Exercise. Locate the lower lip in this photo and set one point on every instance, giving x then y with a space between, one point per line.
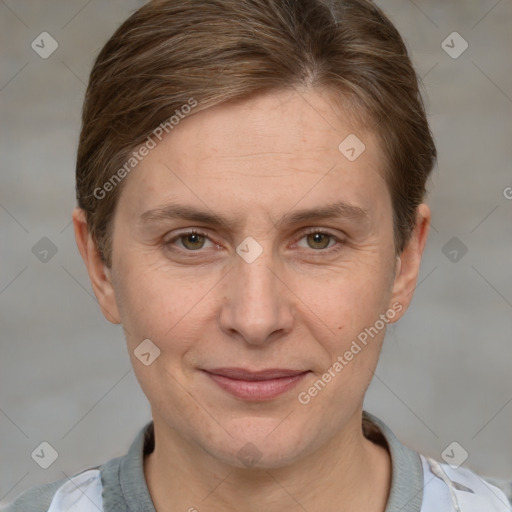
257 389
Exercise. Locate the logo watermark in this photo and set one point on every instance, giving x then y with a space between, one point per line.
305 397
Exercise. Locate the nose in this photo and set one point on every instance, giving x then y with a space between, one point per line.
258 302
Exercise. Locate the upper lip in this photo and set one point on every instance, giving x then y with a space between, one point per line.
244 374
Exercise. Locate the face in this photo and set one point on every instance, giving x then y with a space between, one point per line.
256 286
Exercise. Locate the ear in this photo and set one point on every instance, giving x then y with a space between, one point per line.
408 263
99 274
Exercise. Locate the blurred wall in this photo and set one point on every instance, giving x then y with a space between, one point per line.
65 376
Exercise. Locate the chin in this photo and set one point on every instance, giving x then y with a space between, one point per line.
259 450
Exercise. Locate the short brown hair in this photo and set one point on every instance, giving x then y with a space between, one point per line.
220 50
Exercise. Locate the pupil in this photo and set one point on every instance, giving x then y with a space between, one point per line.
194 238
317 237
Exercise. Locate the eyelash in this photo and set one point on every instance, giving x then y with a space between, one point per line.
320 252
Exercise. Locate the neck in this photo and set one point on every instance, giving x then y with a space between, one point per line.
348 473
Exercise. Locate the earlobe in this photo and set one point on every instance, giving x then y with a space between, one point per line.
99 274
409 261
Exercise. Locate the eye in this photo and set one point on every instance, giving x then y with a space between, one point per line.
191 240
320 240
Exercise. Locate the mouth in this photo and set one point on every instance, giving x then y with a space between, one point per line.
256 385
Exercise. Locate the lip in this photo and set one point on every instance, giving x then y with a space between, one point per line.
256 385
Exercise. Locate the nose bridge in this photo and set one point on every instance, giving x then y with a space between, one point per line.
255 277
256 305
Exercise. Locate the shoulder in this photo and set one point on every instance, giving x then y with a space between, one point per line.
422 484
98 489
456 488
36 499
81 493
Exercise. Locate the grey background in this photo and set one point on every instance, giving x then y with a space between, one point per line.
65 375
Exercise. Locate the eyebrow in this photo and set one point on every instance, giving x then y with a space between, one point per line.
186 212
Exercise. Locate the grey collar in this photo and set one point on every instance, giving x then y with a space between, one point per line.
406 493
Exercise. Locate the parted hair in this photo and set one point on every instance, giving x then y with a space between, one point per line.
214 51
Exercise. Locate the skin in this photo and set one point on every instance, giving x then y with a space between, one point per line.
297 305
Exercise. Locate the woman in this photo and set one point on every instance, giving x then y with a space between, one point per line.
250 182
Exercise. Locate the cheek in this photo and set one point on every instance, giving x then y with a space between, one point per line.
349 300
352 314
162 307
345 319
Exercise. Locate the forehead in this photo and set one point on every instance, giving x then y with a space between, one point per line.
269 152
276 126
